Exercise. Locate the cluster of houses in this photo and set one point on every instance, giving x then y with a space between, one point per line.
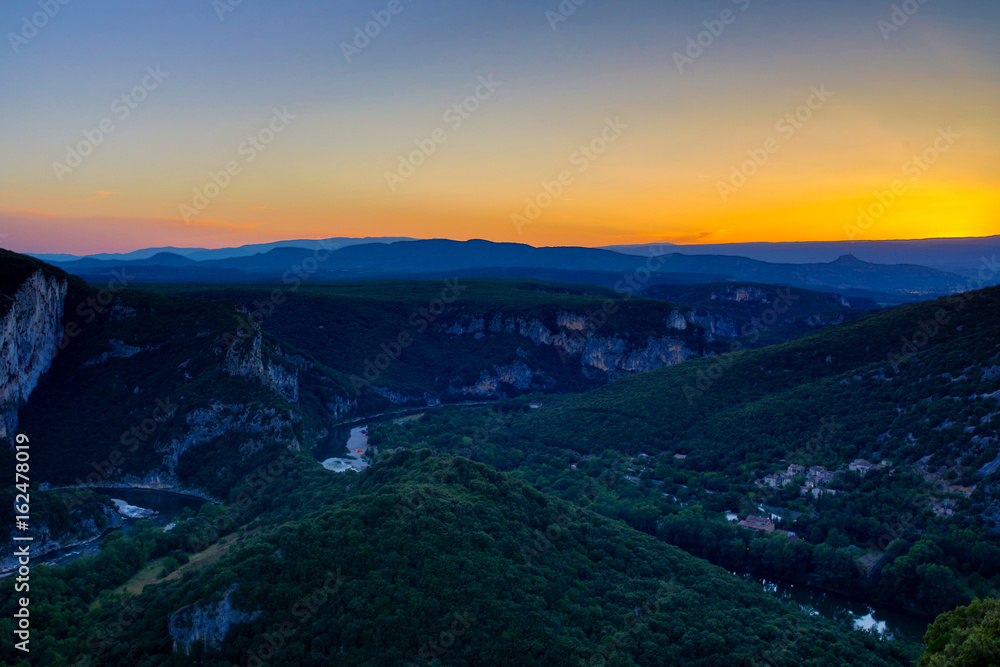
816 477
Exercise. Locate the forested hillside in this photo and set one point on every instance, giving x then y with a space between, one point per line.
555 527
672 451
425 558
908 382
412 342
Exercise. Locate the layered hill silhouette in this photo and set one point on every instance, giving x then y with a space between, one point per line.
431 258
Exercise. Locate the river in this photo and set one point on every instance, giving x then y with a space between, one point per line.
343 448
335 444
887 623
168 505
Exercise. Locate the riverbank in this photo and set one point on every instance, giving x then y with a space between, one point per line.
53 552
165 488
357 447
403 411
859 614
164 504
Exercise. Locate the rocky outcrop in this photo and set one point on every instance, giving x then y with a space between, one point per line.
714 324
576 337
572 321
207 624
517 376
391 395
258 426
246 359
29 337
676 320
340 407
616 359
119 350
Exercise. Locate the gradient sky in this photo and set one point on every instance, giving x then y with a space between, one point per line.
325 174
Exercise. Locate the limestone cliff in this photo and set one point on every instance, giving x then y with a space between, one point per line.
29 337
206 624
203 425
516 375
577 339
246 359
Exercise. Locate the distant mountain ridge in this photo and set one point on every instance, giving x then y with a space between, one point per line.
202 254
407 259
964 256
956 255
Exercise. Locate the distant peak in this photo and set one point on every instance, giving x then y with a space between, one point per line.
848 259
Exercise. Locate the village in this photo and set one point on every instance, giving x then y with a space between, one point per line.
812 481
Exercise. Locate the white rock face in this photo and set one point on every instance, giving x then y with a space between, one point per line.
29 339
207 625
610 355
205 424
516 375
572 321
119 350
716 326
247 360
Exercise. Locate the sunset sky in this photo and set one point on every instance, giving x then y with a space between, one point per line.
212 74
